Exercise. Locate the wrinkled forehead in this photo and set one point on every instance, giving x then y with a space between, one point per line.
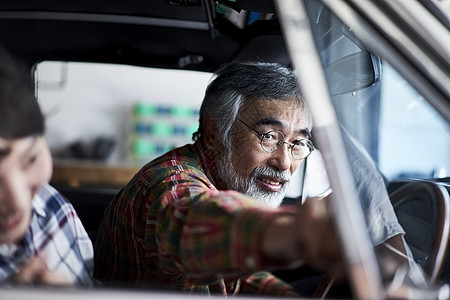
292 114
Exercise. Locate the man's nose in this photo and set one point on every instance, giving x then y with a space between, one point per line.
281 158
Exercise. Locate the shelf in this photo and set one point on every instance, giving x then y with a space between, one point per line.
76 174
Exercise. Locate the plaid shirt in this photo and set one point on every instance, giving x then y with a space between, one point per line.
55 234
173 227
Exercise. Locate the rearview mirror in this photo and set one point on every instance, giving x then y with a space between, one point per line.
352 73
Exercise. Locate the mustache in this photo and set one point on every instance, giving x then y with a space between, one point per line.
267 171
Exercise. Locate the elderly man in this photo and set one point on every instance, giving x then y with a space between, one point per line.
206 217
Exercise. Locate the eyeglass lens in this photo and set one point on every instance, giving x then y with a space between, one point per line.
273 140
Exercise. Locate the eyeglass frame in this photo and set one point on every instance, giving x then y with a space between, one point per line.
290 145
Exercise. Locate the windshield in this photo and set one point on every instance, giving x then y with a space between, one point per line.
414 140
403 134
392 137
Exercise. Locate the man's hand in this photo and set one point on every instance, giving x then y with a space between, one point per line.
309 236
35 271
316 238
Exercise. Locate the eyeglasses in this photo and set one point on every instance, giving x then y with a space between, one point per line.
271 141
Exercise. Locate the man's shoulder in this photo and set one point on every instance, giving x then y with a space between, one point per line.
179 159
183 164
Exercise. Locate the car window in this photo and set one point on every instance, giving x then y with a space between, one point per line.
404 135
117 114
414 138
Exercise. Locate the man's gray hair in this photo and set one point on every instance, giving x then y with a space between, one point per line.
235 82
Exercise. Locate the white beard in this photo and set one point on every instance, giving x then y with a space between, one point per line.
249 187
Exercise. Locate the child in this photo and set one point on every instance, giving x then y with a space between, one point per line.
42 240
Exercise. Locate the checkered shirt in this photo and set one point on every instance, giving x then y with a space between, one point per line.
173 227
54 234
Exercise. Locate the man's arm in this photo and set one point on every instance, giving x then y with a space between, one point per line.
308 236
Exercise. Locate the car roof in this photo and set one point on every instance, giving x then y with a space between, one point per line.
189 34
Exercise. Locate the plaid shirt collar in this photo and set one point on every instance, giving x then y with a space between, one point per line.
210 163
38 205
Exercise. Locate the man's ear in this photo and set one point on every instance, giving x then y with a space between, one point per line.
211 132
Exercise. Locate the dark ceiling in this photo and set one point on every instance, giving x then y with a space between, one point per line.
191 34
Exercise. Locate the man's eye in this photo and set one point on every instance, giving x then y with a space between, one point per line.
269 136
298 143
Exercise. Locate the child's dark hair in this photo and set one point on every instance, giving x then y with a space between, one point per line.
20 115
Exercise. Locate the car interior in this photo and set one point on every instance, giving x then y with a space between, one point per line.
197 36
